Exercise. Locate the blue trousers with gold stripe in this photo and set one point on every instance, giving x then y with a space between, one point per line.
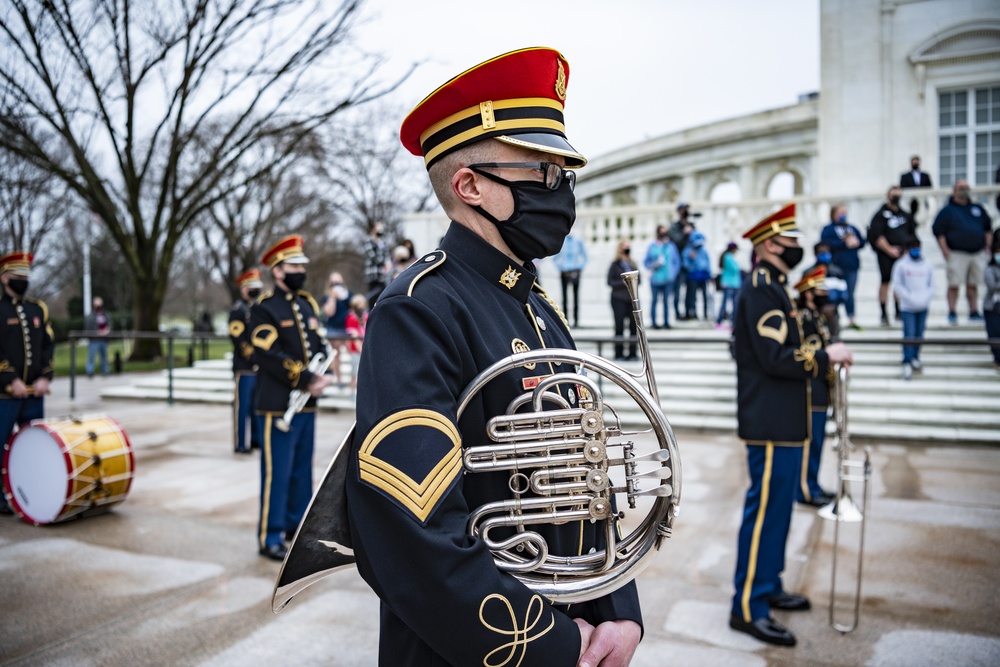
767 514
809 482
285 475
243 413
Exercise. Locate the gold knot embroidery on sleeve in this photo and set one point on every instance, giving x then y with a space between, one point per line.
512 652
294 368
807 355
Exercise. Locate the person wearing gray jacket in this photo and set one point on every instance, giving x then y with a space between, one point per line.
913 285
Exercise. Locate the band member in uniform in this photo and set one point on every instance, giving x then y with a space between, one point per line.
774 366
494 144
244 369
25 349
285 333
816 332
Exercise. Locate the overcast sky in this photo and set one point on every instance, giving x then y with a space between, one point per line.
638 68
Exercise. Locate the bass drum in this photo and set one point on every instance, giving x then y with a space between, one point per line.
63 469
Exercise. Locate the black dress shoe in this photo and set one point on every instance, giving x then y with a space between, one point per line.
242 450
274 551
818 500
789 602
765 629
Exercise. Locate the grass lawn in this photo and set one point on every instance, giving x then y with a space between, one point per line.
215 349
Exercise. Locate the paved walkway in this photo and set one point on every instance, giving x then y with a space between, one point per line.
172 577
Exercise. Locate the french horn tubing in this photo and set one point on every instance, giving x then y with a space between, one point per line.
565 463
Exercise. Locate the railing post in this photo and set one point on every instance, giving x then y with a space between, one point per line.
72 368
170 369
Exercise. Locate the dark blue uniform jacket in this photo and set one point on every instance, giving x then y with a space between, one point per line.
25 342
239 334
774 363
447 317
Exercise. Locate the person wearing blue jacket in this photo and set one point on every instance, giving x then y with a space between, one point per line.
663 260
730 281
698 265
845 240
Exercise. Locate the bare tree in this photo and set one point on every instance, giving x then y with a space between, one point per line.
145 109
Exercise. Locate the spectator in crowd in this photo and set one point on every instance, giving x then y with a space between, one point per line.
621 301
991 301
335 304
811 302
915 179
378 265
357 320
401 260
913 285
730 281
680 232
890 230
664 262
834 285
698 266
962 229
571 261
844 240
99 322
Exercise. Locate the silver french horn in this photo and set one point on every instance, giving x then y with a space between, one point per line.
566 463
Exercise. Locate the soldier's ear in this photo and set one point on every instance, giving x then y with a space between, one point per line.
465 183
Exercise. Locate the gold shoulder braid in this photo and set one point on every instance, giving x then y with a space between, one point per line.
545 295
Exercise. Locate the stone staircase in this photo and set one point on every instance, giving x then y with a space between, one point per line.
956 398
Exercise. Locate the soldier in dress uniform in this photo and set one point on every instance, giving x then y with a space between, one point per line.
25 349
774 367
285 334
494 144
810 302
244 369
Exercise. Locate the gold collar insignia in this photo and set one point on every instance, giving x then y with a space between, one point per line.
509 277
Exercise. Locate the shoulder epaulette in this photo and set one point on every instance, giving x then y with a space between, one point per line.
761 271
40 304
266 294
425 265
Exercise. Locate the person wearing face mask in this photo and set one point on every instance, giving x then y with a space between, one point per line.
844 241
914 178
664 263
963 233
913 285
774 367
813 297
494 144
991 300
97 347
890 230
835 287
621 301
378 263
26 345
244 370
286 334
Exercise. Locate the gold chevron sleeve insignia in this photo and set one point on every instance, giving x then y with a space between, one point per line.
412 456
264 336
766 329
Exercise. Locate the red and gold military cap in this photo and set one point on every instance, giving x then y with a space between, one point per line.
779 223
288 249
250 279
517 98
18 262
814 278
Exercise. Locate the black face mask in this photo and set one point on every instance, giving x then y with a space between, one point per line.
542 218
18 285
820 301
894 201
791 256
295 281
253 294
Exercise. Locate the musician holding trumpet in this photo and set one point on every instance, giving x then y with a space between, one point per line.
495 148
285 334
25 350
775 363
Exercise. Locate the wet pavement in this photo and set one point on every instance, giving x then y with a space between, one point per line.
171 576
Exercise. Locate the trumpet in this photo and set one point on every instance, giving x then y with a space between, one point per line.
843 508
297 399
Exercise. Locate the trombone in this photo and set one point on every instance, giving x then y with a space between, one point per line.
843 508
